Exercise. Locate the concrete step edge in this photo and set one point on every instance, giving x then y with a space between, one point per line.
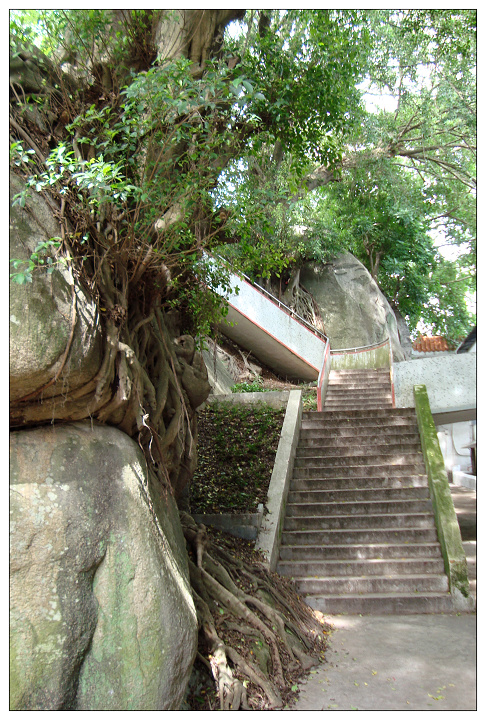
376 547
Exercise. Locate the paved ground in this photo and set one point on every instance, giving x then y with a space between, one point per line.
406 662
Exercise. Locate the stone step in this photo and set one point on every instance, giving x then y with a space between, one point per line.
431 583
350 449
361 372
369 393
360 522
353 435
363 378
361 424
356 405
361 482
369 507
360 536
388 413
319 457
419 603
366 387
339 568
357 495
358 470
470 552
348 437
360 551
341 393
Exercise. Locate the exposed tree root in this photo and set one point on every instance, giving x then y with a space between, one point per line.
235 600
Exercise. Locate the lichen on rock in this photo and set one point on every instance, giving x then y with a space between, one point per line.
102 615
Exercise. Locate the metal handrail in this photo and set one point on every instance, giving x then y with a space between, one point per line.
363 347
276 301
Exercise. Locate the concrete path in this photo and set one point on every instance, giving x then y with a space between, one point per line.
407 662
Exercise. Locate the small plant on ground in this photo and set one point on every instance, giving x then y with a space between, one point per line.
255 385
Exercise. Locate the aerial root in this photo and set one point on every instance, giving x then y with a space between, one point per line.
225 610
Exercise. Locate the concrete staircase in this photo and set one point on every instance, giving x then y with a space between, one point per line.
359 533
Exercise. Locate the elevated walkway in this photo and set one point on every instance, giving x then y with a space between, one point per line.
450 381
273 332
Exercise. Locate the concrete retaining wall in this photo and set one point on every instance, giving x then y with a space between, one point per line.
377 357
274 398
450 382
268 540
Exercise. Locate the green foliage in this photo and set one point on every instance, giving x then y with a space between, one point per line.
102 181
255 385
146 159
308 103
19 156
385 212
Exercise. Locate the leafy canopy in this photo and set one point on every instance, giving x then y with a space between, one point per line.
273 130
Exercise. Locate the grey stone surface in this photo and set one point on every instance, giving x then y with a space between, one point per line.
102 616
223 372
42 313
354 311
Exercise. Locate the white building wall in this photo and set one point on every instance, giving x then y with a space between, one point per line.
454 439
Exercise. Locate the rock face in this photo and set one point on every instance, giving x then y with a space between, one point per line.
55 335
102 616
354 311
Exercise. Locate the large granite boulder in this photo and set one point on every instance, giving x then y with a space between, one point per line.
354 311
55 333
102 616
